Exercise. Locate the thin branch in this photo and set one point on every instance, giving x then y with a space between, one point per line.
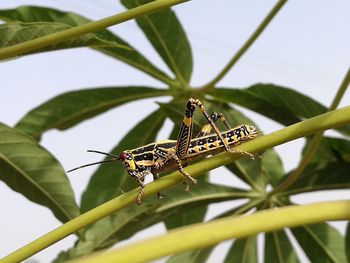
246 45
25 47
311 149
325 121
211 233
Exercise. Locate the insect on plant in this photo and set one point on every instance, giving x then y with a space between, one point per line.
165 155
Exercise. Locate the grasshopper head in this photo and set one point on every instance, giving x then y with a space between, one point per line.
253 131
128 161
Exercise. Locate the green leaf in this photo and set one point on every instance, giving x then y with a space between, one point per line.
132 219
28 14
68 109
31 170
272 167
243 250
281 104
249 171
197 256
278 248
347 241
190 217
168 38
331 149
110 180
260 171
321 242
128 54
15 33
334 175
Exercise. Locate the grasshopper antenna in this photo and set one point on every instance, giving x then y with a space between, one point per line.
90 164
108 154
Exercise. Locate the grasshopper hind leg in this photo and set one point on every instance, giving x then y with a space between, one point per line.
182 171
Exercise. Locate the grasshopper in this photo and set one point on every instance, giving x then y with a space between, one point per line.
165 155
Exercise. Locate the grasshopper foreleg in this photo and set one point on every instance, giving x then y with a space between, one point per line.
140 178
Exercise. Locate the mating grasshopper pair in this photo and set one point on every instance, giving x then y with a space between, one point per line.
161 156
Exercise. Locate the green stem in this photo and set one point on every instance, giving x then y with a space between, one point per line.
211 233
37 43
245 46
340 93
311 149
325 121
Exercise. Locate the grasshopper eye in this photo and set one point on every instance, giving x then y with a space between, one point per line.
122 156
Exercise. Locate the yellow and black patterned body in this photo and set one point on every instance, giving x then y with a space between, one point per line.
154 154
160 156
164 155
206 145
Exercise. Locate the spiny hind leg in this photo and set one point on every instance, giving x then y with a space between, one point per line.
197 103
187 177
185 133
211 120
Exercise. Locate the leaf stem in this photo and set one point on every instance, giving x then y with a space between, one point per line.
325 121
245 46
311 149
44 41
211 233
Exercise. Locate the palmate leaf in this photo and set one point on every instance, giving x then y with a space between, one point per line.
109 180
31 170
68 109
272 167
168 38
243 250
321 242
278 248
15 33
128 54
281 104
132 219
331 150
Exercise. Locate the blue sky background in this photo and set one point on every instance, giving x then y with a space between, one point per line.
306 47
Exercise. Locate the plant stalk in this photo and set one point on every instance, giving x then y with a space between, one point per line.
245 46
311 149
25 47
211 233
325 121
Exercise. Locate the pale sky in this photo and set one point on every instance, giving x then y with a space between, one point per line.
306 47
